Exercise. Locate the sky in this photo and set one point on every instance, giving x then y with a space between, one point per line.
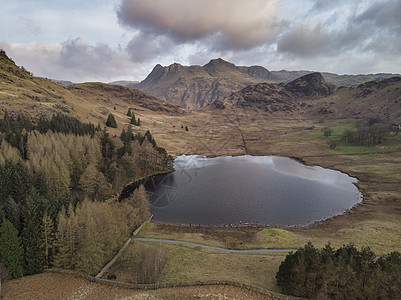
99 40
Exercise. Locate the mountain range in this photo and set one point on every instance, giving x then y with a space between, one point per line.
310 96
196 86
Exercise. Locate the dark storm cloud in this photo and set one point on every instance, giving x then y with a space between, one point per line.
231 24
363 32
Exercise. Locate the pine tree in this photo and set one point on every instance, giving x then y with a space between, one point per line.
107 145
130 133
150 138
34 259
11 251
124 136
111 122
12 212
129 113
133 119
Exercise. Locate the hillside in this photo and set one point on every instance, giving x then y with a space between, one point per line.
20 91
279 97
196 86
311 95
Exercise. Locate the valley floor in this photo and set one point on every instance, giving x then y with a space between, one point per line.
375 222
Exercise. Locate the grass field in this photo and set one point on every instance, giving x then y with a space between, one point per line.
189 263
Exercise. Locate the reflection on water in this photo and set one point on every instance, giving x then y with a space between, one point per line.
253 189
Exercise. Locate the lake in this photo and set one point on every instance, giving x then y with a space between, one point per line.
264 190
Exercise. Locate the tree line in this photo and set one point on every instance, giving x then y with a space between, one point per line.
345 273
58 178
15 129
367 135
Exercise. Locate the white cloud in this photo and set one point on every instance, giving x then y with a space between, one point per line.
124 39
75 60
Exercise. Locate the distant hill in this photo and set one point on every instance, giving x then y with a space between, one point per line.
313 97
125 83
62 82
273 97
196 86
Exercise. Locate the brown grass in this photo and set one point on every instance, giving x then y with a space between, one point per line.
374 223
52 286
189 263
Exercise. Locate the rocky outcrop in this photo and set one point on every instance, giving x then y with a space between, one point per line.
310 85
279 97
256 72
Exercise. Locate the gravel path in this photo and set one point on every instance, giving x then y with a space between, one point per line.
212 247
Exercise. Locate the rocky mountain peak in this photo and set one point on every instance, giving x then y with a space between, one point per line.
312 84
215 66
256 72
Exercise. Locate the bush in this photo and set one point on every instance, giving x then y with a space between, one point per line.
327 132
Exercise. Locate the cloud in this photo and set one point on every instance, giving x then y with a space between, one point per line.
321 5
235 24
386 15
74 60
146 47
364 31
306 40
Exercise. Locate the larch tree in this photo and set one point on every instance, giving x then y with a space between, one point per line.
94 184
7 152
47 238
140 201
93 224
66 239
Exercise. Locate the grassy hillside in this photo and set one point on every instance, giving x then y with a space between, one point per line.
22 92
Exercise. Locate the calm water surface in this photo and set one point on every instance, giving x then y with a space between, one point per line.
266 190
